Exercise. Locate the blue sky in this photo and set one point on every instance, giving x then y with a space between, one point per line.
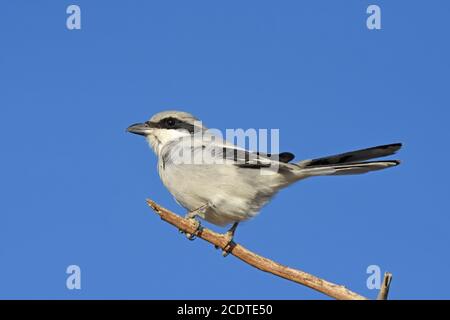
73 183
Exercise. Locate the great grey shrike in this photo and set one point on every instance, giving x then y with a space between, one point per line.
223 183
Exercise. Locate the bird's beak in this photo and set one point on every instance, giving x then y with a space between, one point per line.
141 129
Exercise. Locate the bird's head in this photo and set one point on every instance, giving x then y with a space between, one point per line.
165 127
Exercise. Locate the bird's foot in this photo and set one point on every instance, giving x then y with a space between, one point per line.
230 240
192 216
198 229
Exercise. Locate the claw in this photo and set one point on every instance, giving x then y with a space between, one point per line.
231 244
198 229
192 215
190 237
228 248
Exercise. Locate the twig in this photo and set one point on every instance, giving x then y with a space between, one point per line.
384 290
219 240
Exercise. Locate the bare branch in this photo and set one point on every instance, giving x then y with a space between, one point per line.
384 290
222 241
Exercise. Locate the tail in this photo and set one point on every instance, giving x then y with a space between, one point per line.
351 162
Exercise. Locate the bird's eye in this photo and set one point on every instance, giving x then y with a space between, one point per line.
170 122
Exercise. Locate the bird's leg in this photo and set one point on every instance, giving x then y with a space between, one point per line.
192 215
230 235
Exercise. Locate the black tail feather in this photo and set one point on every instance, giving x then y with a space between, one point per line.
355 156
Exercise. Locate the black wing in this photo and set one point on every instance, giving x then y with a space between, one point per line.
254 160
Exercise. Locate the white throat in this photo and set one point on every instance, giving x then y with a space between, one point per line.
160 137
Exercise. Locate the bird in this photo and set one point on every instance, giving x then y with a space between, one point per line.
222 183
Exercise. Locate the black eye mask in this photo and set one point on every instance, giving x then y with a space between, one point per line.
172 123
